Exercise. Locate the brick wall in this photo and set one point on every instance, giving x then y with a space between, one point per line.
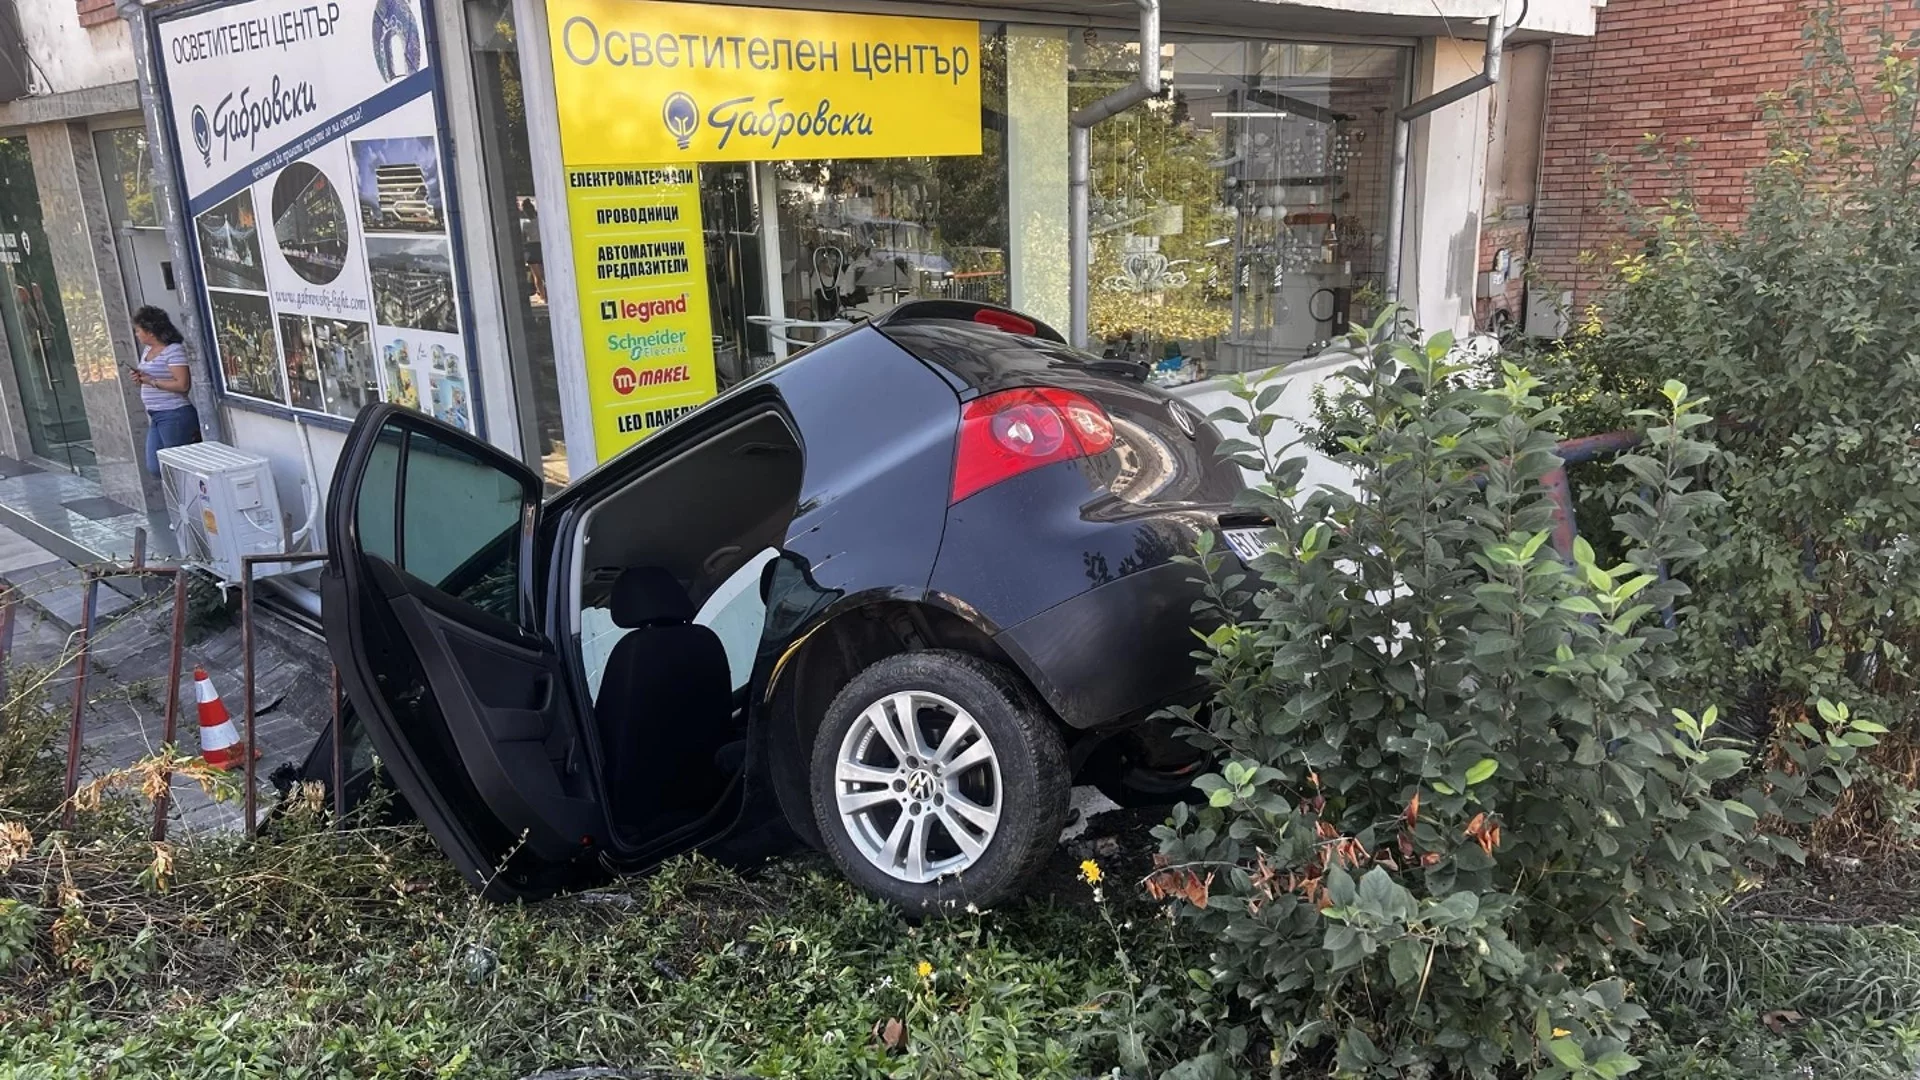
96 12
1680 69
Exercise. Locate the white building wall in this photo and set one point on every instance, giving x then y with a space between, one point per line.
1447 172
67 56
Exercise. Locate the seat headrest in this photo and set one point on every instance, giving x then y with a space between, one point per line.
649 596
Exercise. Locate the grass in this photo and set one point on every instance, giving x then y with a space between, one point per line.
357 953
323 954
1744 999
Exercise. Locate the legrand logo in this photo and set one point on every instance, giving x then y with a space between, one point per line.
642 310
242 116
774 121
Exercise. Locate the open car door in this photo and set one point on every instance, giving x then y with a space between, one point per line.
428 601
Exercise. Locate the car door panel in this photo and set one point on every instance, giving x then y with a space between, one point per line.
459 690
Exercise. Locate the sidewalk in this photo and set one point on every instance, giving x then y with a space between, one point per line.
123 720
72 516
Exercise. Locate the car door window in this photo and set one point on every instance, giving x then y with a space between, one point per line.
445 517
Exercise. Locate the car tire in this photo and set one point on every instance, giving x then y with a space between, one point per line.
983 822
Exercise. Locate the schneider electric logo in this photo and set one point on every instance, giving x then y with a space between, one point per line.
639 347
244 116
642 311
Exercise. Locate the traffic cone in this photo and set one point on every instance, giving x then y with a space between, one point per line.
219 741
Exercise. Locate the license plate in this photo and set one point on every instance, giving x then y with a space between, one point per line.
1246 543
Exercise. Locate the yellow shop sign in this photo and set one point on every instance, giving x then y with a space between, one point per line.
644 80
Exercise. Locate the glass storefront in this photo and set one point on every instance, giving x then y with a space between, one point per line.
492 40
1240 220
36 324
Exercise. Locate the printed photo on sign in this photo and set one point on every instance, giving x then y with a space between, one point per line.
309 224
343 352
303 376
396 39
398 185
401 387
230 245
243 335
450 400
412 283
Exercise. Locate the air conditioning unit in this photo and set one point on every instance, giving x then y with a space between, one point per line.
222 505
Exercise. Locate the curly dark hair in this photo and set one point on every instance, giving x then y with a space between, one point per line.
159 324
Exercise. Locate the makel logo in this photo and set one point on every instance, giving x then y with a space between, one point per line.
642 310
624 380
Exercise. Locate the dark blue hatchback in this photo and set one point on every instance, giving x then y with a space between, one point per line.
894 595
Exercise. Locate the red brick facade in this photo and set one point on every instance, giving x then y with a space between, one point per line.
97 12
1679 69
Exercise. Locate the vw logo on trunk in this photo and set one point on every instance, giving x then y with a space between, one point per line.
1181 419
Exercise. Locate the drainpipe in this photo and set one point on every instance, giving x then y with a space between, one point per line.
1403 138
1080 169
167 199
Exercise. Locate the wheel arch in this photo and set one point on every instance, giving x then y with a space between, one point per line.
845 643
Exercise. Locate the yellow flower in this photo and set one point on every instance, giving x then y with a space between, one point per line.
1561 1033
925 969
1090 871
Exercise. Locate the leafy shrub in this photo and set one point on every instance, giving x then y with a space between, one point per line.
1453 794
1802 325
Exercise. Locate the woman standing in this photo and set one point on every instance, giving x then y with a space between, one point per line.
164 376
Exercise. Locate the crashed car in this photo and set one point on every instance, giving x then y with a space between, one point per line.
895 594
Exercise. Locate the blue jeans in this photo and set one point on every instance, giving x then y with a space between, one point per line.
175 427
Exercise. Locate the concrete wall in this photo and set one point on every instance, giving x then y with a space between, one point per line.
1446 170
69 56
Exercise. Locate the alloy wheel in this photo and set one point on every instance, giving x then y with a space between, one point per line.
917 784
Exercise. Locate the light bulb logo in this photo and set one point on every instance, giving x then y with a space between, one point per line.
682 117
203 135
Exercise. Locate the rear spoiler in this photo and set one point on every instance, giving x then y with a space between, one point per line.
969 311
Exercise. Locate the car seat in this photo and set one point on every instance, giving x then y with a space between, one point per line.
665 706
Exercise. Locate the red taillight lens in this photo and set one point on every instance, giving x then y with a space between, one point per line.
1005 320
1005 434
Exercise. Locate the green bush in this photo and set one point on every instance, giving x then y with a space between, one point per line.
1453 793
1801 323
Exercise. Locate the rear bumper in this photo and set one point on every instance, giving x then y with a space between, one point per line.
1115 653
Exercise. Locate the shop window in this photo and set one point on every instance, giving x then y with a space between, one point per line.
1239 221
127 171
859 237
516 219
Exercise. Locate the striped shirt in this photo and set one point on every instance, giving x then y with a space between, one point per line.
160 366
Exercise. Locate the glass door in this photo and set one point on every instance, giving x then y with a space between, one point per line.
36 325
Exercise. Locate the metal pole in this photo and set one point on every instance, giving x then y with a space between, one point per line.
339 754
169 730
1397 205
7 604
1079 243
246 684
79 700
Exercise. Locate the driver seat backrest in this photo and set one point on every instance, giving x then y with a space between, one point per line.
665 704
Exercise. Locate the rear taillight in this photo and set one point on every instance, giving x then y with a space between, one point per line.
1005 434
1005 320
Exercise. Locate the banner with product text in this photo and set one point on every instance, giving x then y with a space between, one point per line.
640 265
307 133
645 80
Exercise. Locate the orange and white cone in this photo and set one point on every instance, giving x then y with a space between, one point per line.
219 740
